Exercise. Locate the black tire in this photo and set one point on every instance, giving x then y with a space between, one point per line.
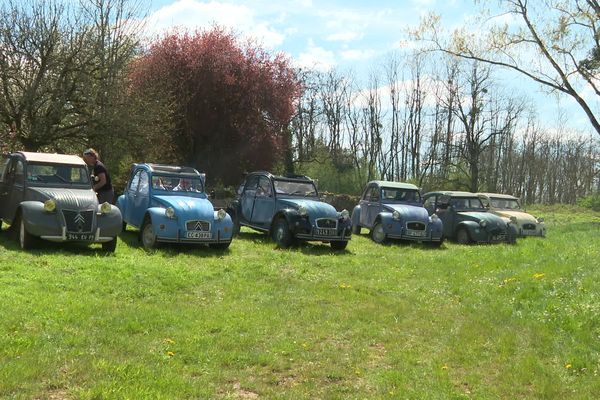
339 244
110 246
219 246
462 236
436 244
356 229
26 240
147 235
377 233
281 233
1 226
124 226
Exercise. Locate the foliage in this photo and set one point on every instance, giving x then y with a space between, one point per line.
254 322
232 101
591 202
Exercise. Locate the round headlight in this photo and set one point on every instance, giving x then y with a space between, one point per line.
302 211
49 205
483 223
345 214
513 219
434 218
221 214
169 212
105 208
540 220
396 215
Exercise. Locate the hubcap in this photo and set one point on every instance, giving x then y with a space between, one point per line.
22 234
378 234
148 236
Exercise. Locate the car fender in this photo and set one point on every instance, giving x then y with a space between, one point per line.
121 205
389 223
36 218
290 215
472 227
222 227
110 223
356 216
163 226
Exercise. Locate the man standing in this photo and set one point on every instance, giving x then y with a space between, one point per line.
100 177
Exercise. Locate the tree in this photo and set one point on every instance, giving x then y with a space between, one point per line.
232 101
555 43
59 67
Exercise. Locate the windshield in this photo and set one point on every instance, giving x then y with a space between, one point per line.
177 183
506 204
400 195
466 203
57 174
295 188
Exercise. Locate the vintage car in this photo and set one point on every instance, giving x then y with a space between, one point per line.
393 210
289 208
50 196
509 208
466 220
169 204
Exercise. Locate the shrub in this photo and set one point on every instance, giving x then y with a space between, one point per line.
591 201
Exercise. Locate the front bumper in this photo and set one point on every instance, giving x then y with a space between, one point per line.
216 237
304 230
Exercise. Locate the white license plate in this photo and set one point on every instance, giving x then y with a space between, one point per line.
416 233
326 232
198 235
80 236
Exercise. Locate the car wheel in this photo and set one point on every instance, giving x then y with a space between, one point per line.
26 240
356 229
281 233
236 226
124 226
436 244
339 244
148 236
462 236
377 233
219 246
110 246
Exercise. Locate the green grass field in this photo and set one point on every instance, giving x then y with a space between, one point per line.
394 321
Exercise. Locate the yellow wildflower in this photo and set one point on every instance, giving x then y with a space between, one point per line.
568 366
539 275
170 353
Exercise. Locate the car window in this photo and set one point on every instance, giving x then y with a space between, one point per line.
402 195
264 187
295 188
135 181
429 203
4 168
375 194
143 186
19 172
56 174
466 203
252 183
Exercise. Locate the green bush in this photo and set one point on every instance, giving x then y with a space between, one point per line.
591 201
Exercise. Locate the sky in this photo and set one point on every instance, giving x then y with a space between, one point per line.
349 35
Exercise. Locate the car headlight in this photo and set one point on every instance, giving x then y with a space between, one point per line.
169 212
345 214
396 215
483 223
540 220
221 213
434 218
105 208
49 205
513 219
302 211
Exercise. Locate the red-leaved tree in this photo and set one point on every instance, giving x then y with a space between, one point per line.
231 101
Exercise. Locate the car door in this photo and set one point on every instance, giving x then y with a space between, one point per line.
264 203
16 187
141 198
373 206
129 193
364 207
4 164
247 198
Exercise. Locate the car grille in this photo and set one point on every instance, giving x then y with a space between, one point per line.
415 226
529 227
79 221
195 225
327 223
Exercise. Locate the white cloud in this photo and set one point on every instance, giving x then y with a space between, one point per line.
344 36
195 14
358 55
315 57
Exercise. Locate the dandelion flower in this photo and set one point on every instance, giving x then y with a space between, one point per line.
170 353
539 275
568 366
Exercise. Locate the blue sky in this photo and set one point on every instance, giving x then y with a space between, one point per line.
350 35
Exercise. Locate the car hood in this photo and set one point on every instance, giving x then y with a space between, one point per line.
75 199
522 217
482 216
187 206
315 208
408 212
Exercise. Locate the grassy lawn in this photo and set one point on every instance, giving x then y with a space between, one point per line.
394 321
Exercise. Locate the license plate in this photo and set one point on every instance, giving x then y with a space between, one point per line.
497 238
80 236
326 232
416 233
198 235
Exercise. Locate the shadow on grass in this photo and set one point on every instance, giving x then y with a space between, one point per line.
313 248
8 240
131 238
405 243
